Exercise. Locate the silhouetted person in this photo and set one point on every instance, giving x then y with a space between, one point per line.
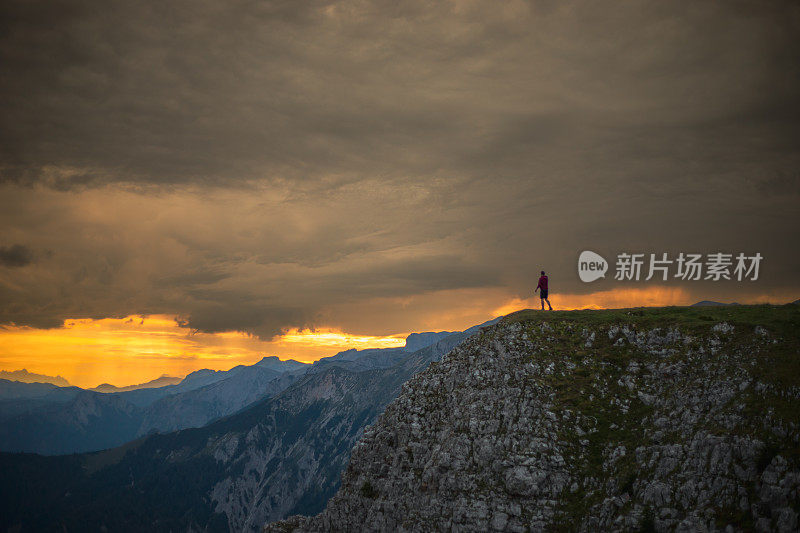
543 294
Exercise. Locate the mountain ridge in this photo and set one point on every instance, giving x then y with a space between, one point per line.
79 420
24 376
27 410
160 381
281 455
640 419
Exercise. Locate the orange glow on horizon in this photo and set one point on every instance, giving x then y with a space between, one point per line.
136 349
338 339
611 299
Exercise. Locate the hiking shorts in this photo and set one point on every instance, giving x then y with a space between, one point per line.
543 294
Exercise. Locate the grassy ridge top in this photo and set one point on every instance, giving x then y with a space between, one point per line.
777 363
780 320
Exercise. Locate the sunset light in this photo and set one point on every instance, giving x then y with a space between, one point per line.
262 266
307 338
651 296
135 349
138 348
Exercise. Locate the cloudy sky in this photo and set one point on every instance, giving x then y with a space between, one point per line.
254 168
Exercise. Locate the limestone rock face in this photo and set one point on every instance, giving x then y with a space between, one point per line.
538 424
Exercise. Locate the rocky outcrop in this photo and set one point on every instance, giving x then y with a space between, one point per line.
588 422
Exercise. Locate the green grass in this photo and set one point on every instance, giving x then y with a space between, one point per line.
777 319
777 363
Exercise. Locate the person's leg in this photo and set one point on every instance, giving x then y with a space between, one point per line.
548 304
542 300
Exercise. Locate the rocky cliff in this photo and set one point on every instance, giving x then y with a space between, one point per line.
654 420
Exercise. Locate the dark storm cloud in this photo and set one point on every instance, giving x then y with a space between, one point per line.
191 279
779 183
246 165
16 255
198 91
239 315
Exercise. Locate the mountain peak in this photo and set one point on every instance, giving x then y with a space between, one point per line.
417 341
273 362
30 377
162 381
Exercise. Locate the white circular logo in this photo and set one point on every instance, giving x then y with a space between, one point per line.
591 266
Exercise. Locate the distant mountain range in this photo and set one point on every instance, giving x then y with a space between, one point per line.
50 420
12 390
24 376
162 381
282 454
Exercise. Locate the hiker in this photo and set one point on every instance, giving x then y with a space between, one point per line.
543 286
